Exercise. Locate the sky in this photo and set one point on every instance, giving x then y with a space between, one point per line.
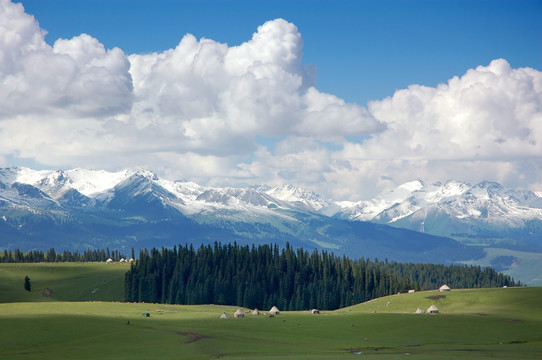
346 98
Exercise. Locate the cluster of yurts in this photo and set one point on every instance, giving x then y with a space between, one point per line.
433 309
274 311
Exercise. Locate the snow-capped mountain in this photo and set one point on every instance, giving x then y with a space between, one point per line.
298 197
411 203
82 208
105 188
483 211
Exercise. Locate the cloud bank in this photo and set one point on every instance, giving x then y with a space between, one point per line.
252 114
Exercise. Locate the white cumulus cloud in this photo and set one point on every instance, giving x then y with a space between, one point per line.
484 125
83 105
76 77
218 98
199 112
492 112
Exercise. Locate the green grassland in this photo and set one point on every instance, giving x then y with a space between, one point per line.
481 323
66 281
527 267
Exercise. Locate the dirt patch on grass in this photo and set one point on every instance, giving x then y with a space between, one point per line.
47 292
436 297
192 337
467 350
370 349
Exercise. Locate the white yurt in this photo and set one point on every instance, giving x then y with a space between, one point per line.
256 312
444 288
274 311
432 310
239 313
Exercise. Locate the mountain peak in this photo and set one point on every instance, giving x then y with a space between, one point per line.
300 197
144 173
412 185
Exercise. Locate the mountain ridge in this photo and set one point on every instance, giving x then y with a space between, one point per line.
441 222
482 200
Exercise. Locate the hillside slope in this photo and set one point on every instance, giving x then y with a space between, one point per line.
62 282
501 329
509 303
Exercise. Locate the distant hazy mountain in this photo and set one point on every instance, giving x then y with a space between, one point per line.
79 209
486 212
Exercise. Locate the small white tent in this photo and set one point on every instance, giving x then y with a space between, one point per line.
418 311
239 313
224 315
315 311
256 312
432 310
274 311
444 288
109 261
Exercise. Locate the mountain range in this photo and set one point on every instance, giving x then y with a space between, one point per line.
485 223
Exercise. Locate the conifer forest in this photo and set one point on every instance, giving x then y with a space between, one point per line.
292 279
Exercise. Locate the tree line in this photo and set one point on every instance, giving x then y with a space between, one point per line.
292 279
89 255
432 276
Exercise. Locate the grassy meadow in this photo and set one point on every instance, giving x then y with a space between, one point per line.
66 281
527 267
481 323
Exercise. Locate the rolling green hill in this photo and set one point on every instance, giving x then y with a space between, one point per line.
480 323
65 281
517 302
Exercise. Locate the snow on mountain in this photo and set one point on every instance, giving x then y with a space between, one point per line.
420 198
83 208
301 198
254 197
240 204
30 176
235 196
15 190
56 182
487 202
492 203
21 175
187 191
369 209
89 182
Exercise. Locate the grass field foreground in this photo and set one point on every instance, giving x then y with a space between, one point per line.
480 323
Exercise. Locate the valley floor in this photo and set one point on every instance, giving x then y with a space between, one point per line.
481 323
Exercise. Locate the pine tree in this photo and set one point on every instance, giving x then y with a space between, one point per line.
27 285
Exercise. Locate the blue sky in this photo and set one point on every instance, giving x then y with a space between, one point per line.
347 98
363 50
